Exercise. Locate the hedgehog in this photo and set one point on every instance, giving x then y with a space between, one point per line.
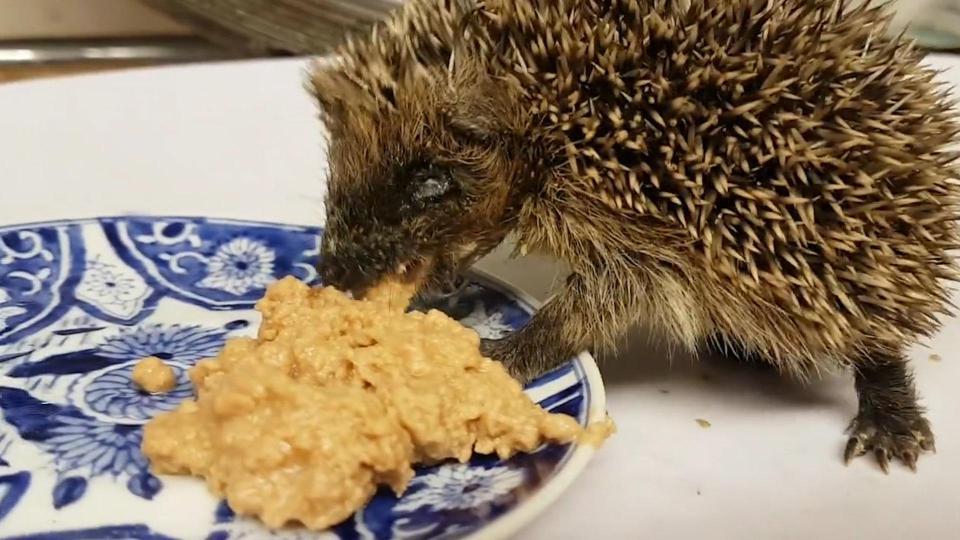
772 177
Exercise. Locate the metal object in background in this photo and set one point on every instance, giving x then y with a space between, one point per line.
89 51
244 28
935 24
267 27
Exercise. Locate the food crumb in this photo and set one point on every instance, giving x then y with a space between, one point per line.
703 423
935 358
152 375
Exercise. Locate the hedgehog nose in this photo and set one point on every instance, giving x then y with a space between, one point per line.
333 274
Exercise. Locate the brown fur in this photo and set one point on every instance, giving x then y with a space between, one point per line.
773 172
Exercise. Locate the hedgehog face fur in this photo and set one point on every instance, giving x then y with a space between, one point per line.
417 187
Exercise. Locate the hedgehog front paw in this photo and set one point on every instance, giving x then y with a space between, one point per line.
511 355
889 436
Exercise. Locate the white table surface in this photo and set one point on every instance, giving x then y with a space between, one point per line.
243 140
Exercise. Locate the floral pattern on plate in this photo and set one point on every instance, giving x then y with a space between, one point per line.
82 301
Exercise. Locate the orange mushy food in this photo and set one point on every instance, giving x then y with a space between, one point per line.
337 396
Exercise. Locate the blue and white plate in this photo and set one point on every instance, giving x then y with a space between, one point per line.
82 301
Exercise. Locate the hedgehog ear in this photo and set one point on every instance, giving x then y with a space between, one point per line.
328 87
321 92
477 119
474 128
331 110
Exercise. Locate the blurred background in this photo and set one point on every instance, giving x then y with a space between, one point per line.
56 37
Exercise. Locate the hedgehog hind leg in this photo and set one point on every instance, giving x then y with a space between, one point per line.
890 423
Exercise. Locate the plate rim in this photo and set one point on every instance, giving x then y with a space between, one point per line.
517 518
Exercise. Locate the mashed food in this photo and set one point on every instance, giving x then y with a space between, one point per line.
338 396
153 376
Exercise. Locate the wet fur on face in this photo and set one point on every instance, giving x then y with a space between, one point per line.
421 185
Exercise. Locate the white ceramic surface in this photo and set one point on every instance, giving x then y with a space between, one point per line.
243 139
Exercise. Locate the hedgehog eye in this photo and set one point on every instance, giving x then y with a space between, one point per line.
431 186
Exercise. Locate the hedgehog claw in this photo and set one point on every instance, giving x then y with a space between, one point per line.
883 459
506 352
887 437
927 442
855 448
909 458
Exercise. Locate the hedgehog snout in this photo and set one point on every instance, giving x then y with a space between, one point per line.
355 266
334 273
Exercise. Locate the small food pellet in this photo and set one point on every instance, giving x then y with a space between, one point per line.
152 375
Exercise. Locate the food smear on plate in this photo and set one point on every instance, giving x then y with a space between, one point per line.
597 432
338 396
153 376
